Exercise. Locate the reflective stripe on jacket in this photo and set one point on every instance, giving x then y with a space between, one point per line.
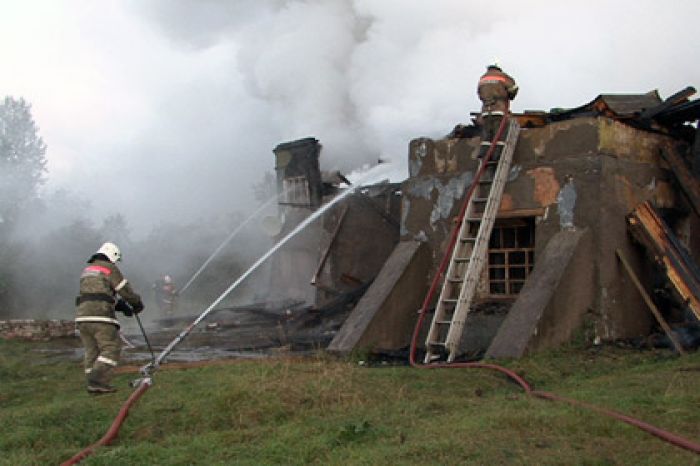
495 89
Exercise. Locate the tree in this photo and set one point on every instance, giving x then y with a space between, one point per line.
266 188
22 160
115 229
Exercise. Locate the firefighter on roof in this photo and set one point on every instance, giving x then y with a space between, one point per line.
103 292
496 89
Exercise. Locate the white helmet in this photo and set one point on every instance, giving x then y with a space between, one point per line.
111 251
167 279
495 63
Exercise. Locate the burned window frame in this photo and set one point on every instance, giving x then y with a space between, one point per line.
296 191
510 256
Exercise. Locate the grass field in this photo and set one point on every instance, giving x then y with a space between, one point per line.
322 411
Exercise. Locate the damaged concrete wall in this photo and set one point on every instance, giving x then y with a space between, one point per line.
368 233
292 267
297 159
579 173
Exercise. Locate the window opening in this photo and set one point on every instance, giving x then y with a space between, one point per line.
296 191
511 256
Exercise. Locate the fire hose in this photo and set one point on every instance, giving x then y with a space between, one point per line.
142 384
113 430
646 427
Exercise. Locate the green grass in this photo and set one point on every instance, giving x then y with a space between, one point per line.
327 412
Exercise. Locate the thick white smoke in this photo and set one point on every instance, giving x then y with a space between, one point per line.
169 110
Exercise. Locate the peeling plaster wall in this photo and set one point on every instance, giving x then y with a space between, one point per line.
441 192
620 309
625 142
585 172
566 203
545 187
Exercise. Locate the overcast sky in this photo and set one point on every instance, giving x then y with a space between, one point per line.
169 109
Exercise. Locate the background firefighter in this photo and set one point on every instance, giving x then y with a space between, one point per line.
101 285
165 294
496 89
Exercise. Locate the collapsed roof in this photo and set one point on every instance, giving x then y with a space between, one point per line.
645 111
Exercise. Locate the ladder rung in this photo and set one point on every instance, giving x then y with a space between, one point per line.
462 259
437 343
467 240
449 300
443 322
455 280
474 219
485 181
480 199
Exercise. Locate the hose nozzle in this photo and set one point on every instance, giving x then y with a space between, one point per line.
148 369
141 381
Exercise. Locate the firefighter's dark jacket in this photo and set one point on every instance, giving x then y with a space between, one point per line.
101 283
495 89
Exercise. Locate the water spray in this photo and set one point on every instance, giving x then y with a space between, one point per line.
151 367
228 239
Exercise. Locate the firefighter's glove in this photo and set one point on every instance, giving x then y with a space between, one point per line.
123 307
137 308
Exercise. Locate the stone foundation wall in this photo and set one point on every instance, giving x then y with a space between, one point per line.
29 329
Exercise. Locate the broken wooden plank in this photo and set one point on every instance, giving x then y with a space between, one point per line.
650 231
652 307
675 99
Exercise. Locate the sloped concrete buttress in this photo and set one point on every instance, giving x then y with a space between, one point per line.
384 318
558 290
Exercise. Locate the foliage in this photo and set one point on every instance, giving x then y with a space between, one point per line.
22 169
327 412
266 188
44 241
37 282
22 160
115 229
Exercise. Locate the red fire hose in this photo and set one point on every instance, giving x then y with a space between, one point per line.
660 433
114 428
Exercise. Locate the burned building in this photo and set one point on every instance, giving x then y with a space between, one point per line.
331 262
596 225
553 267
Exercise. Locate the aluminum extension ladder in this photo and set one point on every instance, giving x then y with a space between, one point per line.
469 253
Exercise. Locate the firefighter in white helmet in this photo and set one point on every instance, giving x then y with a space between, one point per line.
103 292
165 293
